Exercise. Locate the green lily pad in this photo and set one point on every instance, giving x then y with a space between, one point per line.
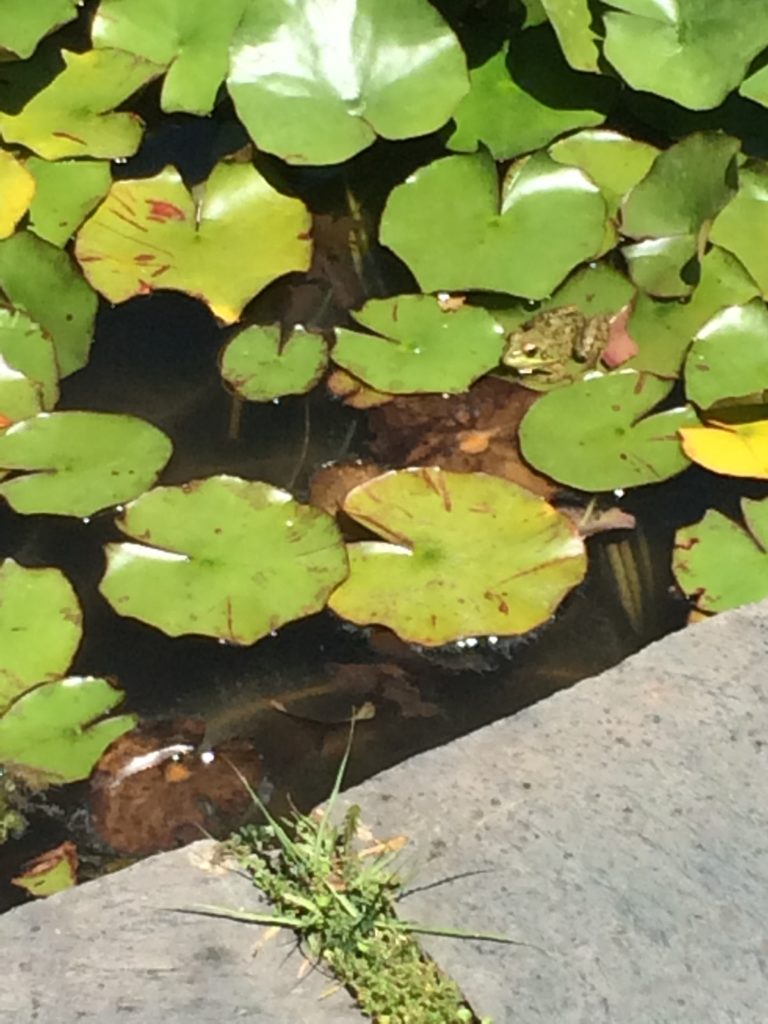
40 628
29 377
658 206
31 272
692 51
503 110
75 114
534 13
742 227
223 557
419 346
149 234
463 554
67 191
52 872
572 21
23 24
316 82
613 161
17 187
192 40
665 267
76 463
729 356
756 87
448 224
663 331
258 368
52 732
595 435
721 564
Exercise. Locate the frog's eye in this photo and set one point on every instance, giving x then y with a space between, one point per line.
531 348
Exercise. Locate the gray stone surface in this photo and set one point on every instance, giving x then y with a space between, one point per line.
115 951
619 830
620 827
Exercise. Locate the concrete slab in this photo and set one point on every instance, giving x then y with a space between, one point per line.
619 829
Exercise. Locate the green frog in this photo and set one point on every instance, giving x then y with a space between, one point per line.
553 340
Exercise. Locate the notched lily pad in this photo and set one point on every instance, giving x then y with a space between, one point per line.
419 346
735 445
56 733
40 628
66 192
76 463
259 368
75 114
316 82
23 24
29 376
462 554
721 564
729 356
150 234
454 231
596 435
222 557
51 872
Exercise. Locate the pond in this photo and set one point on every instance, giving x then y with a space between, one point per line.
411 411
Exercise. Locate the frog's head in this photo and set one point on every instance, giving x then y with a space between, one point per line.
529 348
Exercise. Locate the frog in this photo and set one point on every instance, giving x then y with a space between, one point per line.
551 342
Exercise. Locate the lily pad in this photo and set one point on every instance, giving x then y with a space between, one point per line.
729 356
419 346
663 331
191 39
721 564
526 95
52 732
28 374
613 161
755 87
693 51
75 114
31 272
149 234
572 21
67 191
664 267
40 628
450 227
658 206
76 463
17 186
51 872
734 448
742 227
463 554
222 557
258 368
23 24
596 435
316 82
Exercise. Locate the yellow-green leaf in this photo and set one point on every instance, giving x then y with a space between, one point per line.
735 449
17 187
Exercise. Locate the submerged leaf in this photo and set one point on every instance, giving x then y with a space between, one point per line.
149 234
462 554
222 557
